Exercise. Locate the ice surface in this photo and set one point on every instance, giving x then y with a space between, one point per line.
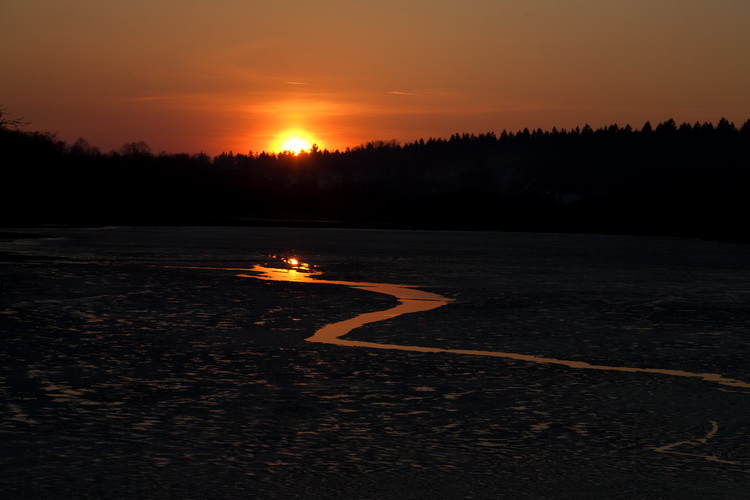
139 362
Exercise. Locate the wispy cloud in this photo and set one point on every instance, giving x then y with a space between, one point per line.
214 102
158 98
296 83
396 92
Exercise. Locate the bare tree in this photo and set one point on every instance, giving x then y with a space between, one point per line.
135 149
10 122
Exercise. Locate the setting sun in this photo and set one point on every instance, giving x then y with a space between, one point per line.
293 141
296 145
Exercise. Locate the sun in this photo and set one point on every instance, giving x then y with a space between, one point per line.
293 141
295 145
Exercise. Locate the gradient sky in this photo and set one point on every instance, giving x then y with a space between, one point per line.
220 75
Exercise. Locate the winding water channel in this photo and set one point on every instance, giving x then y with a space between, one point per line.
412 300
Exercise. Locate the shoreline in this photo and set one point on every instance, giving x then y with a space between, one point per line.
10 232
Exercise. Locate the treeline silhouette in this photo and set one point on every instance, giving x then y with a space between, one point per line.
669 179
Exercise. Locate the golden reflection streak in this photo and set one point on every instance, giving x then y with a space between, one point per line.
667 448
416 301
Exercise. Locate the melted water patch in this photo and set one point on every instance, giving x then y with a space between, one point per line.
412 300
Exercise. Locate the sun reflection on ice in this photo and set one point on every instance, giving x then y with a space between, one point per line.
293 262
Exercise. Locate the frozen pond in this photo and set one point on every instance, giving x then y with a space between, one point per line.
153 362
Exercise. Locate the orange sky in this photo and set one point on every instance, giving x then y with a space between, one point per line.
199 75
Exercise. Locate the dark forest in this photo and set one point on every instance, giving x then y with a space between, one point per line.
668 179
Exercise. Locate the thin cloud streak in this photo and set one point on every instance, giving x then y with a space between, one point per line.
153 98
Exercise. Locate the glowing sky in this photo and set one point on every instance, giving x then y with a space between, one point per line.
220 75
